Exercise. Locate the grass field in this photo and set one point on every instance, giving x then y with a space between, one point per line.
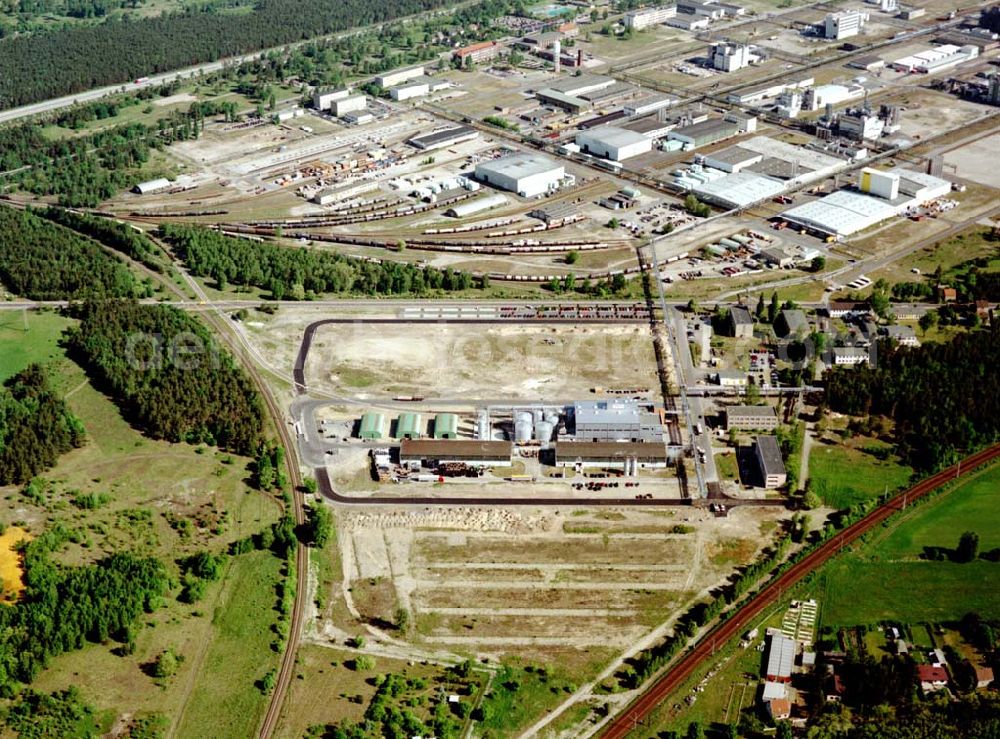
886 578
40 343
849 473
225 700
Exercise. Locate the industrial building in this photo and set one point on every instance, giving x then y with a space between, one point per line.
399 76
323 99
738 190
772 467
880 196
730 378
759 93
648 104
477 205
569 93
144 188
478 53
844 24
704 133
860 125
372 426
751 418
434 452
820 96
445 426
409 426
689 22
637 20
615 420
777 257
351 104
780 657
937 59
443 138
594 454
527 174
731 57
416 87
732 159
614 143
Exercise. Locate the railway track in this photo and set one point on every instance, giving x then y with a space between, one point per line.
635 714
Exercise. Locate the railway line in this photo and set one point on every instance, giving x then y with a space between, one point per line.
638 711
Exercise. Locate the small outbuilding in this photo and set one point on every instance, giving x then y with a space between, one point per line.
372 426
445 426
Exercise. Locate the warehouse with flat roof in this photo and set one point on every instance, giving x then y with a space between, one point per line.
769 461
705 133
434 452
738 190
443 138
780 658
590 454
527 174
614 143
615 420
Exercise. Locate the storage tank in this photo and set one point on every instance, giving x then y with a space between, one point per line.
537 415
523 426
483 426
543 431
552 417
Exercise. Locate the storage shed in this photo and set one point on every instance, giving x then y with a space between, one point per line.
409 426
372 426
445 426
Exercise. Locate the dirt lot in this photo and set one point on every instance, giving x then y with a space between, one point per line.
976 161
479 361
493 582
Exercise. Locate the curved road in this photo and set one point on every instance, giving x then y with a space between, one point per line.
629 719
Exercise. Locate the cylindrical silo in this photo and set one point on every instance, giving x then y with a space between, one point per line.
523 426
543 432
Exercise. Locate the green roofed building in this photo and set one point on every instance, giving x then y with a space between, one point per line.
409 426
372 426
445 426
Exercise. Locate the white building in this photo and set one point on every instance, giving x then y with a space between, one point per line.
144 188
844 24
879 183
860 126
614 143
409 90
527 174
818 97
731 57
323 99
648 104
647 17
350 104
399 76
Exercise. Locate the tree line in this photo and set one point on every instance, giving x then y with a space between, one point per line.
62 608
296 273
168 375
36 426
941 396
47 65
41 260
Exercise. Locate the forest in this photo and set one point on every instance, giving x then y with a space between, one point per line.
35 426
938 394
292 273
168 375
47 65
62 608
119 236
41 260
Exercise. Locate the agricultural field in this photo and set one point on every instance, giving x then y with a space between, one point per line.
909 588
124 492
39 344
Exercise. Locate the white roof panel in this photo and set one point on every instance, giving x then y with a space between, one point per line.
741 189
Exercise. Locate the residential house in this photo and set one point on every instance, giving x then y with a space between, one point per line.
932 677
902 335
791 323
984 676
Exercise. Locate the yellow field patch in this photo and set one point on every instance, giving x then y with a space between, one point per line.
11 566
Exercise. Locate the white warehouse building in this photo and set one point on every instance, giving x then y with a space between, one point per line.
324 99
647 17
844 24
399 76
350 104
611 142
527 174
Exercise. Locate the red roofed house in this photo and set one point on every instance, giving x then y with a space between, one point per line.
932 678
482 52
947 294
984 676
780 708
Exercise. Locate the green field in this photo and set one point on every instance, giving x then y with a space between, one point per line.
886 578
40 343
843 475
165 500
